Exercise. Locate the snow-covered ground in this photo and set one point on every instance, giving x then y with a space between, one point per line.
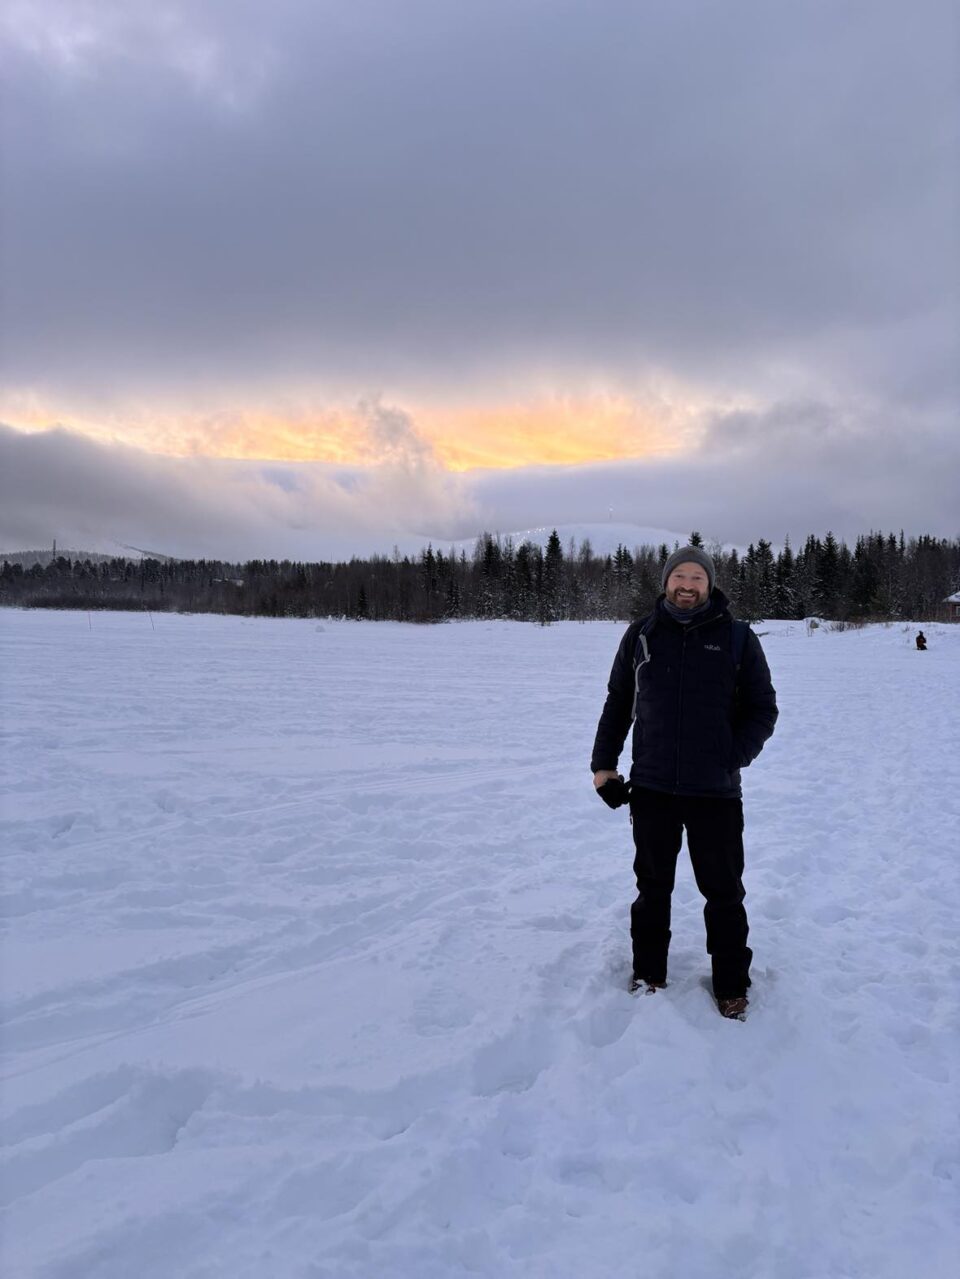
315 957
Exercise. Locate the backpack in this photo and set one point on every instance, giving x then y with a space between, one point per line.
641 653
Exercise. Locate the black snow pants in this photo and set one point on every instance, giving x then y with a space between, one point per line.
715 840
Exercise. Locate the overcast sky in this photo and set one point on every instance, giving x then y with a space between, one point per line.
280 277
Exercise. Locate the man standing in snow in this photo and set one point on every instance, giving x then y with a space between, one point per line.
697 687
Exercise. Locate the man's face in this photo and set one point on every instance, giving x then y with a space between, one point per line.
688 585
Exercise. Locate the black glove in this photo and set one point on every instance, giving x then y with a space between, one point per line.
614 792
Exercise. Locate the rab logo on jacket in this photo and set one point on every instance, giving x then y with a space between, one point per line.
712 648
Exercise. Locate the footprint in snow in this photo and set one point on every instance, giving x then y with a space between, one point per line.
126 1114
514 1062
439 1010
604 1026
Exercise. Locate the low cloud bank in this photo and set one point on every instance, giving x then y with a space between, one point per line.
791 469
91 495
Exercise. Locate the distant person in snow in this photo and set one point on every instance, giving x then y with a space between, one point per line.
921 641
697 687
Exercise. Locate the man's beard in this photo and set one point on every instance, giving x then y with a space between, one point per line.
689 602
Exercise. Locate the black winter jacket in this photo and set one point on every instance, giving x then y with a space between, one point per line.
698 719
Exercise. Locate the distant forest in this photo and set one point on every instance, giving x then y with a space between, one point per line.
882 577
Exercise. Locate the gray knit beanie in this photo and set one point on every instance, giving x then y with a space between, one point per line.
690 555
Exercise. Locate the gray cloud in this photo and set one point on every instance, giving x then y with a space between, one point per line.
393 436
428 195
90 496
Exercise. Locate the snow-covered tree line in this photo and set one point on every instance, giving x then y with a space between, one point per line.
882 576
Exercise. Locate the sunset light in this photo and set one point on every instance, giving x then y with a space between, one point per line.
555 431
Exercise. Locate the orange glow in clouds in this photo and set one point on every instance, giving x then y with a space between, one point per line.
549 431
557 432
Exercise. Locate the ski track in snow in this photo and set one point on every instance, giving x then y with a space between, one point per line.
315 952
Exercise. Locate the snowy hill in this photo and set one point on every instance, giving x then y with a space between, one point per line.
315 960
604 538
109 550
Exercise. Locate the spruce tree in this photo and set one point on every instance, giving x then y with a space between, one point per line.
765 598
553 578
784 593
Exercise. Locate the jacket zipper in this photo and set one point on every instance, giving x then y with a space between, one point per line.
683 662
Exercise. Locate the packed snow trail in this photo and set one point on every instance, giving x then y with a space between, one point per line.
315 960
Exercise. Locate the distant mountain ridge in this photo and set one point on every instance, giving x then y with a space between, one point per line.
604 538
26 559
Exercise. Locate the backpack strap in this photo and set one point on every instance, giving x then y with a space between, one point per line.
641 650
641 655
738 640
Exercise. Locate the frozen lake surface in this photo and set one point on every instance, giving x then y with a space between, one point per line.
315 954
